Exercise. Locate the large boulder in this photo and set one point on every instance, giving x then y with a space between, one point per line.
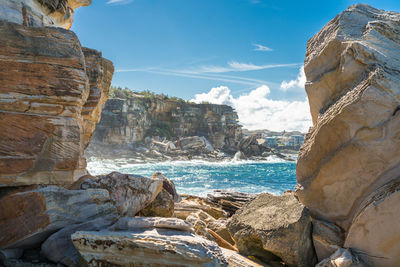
59 247
28 218
274 226
348 167
147 247
129 193
45 86
352 86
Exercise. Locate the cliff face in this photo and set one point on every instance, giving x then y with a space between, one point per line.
36 13
131 120
51 94
348 167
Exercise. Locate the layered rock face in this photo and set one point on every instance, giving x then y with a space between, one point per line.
125 121
348 166
37 13
51 96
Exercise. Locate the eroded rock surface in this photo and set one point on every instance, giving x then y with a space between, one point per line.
348 166
59 247
37 13
129 193
274 226
45 86
173 248
28 218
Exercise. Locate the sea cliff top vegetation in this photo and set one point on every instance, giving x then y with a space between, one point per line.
126 93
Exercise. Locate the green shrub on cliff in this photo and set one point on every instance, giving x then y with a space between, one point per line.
161 129
126 93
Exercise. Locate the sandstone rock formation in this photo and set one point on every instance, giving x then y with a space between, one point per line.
274 226
126 121
129 193
341 258
348 166
36 13
327 238
44 108
134 223
161 206
171 247
28 218
59 247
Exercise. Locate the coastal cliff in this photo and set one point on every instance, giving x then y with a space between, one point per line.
348 166
128 121
51 96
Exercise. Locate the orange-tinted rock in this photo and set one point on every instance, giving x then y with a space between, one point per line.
99 72
46 81
36 13
28 218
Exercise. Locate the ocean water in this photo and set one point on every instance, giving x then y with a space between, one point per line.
200 177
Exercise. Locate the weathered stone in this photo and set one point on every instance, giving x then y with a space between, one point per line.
99 71
352 85
199 226
341 258
162 206
27 263
157 247
327 238
36 13
168 185
130 193
193 204
59 247
220 227
274 226
230 201
127 121
44 87
375 230
234 259
134 223
28 218
11 253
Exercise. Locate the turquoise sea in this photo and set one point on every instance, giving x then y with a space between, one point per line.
199 177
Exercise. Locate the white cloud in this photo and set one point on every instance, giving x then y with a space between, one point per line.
256 111
120 2
235 66
263 48
298 83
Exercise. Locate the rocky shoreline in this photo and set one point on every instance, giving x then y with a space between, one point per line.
157 149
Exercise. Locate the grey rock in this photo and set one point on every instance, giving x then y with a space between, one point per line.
272 227
59 248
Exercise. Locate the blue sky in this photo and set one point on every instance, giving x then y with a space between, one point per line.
187 47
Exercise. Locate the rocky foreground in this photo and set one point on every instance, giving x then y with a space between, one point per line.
52 213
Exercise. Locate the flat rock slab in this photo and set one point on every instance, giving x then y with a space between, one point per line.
155 247
135 223
274 226
28 218
59 247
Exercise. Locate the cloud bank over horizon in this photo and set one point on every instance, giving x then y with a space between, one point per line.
256 111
